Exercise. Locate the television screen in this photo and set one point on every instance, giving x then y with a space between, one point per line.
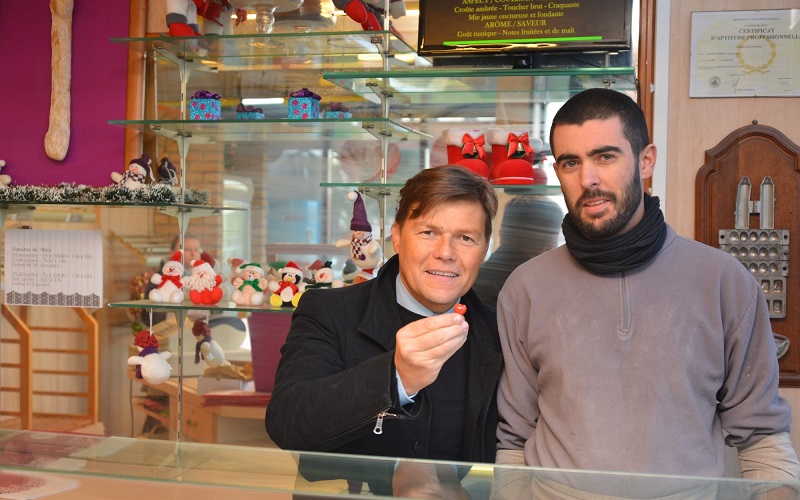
478 27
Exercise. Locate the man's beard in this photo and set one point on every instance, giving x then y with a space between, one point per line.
632 195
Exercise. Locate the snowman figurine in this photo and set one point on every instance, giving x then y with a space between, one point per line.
136 175
365 252
151 365
169 286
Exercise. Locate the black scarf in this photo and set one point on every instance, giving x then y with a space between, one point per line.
623 252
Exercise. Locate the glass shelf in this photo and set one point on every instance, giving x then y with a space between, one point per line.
483 85
276 130
376 189
173 209
188 305
255 51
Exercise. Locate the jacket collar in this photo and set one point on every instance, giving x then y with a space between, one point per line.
382 318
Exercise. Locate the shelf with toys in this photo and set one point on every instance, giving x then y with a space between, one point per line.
274 129
222 306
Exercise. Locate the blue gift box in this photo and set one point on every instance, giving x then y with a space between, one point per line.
249 115
304 105
303 108
249 112
338 114
337 111
207 107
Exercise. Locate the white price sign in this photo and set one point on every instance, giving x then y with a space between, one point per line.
53 268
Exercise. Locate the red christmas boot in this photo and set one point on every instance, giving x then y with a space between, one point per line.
465 148
512 156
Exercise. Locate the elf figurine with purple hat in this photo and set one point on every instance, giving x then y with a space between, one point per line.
365 252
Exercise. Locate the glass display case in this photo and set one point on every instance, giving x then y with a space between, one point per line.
277 187
299 171
66 466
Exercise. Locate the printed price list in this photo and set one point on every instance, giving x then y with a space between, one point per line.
53 268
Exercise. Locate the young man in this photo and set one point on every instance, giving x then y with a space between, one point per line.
386 367
630 348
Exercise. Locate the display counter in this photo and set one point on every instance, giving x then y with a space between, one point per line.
67 466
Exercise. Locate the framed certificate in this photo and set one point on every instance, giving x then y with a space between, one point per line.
745 54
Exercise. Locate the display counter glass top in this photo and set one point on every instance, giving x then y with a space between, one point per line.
83 466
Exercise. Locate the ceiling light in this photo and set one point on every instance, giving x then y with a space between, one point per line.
262 101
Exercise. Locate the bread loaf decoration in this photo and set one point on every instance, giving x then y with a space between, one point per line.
56 141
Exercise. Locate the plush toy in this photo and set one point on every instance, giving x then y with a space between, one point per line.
369 13
203 284
5 179
323 277
207 348
233 271
365 252
250 285
288 290
167 173
150 364
170 287
182 16
349 271
136 175
206 257
212 354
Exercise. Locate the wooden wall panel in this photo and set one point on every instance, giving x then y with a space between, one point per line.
696 125
757 152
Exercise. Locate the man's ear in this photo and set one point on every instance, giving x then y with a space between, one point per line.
395 237
647 161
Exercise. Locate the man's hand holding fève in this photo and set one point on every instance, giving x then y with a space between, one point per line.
424 345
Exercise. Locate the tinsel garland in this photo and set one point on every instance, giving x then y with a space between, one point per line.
151 194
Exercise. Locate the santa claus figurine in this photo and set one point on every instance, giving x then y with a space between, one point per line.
365 252
203 284
169 286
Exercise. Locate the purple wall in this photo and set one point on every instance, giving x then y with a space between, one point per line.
98 92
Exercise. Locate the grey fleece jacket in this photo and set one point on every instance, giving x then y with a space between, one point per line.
638 371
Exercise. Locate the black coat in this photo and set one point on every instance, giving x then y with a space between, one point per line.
336 374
